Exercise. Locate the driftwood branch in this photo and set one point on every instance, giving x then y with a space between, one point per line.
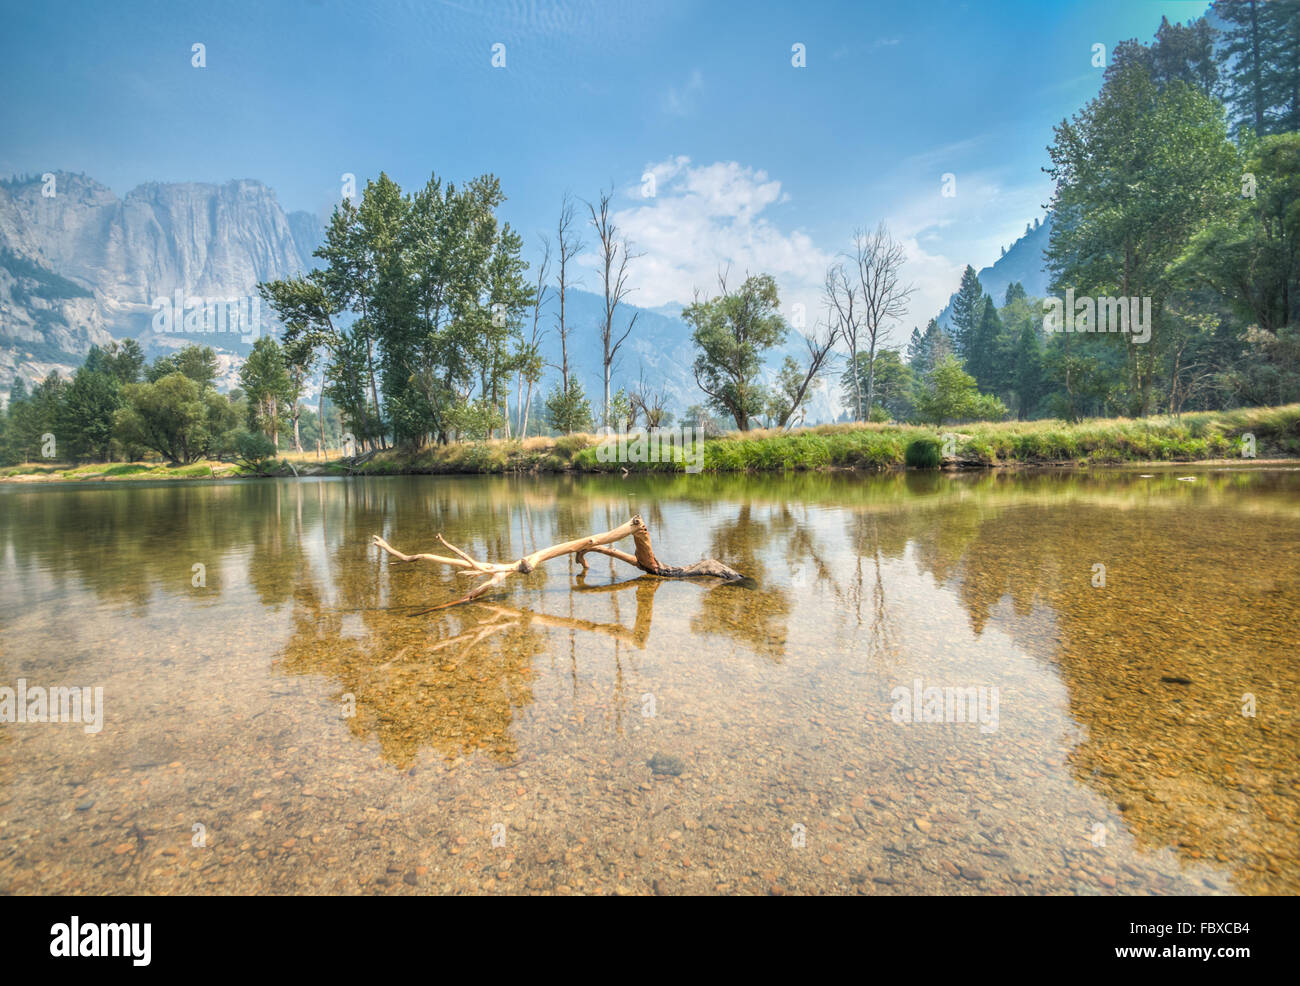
494 573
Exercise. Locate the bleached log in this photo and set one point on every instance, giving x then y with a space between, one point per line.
494 573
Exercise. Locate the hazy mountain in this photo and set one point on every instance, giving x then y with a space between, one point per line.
80 266
1022 262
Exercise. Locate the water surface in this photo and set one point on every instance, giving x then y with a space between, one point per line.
302 720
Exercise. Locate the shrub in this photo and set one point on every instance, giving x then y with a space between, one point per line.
923 453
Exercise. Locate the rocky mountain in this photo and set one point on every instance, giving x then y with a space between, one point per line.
80 266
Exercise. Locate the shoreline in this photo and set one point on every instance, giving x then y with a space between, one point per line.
1259 436
159 474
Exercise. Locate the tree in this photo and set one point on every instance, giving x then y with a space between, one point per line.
168 416
613 256
1250 255
986 358
967 309
87 412
924 351
1137 173
199 363
1183 53
434 286
650 404
794 381
621 411
569 410
1260 62
17 437
1027 373
569 244
348 280
530 360
841 296
122 360
877 261
950 394
305 310
31 416
265 380
894 381
732 332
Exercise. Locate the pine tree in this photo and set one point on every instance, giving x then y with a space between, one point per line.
983 359
928 349
1242 58
967 309
1027 376
916 351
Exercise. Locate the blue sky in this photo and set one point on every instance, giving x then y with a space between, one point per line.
758 164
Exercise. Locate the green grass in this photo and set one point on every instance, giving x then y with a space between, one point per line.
872 447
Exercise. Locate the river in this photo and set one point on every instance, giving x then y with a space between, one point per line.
1056 682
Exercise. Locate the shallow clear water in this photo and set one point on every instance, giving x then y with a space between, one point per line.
504 746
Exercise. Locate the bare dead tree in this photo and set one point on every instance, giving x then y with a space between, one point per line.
649 403
820 342
493 574
841 296
530 369
569 245
878 259
614 257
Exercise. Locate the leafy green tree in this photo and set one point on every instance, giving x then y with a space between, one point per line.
265 380
785 399
299 358
199 363
307 311
1027 379
732 333
1137 171
1250 255
252 450
1180 52
950 394
23 425
168 416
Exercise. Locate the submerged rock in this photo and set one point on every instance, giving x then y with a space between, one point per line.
662 763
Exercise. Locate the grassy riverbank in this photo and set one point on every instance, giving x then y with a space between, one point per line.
1193 437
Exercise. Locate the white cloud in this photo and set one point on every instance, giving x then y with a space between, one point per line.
943 235
720 216
707 218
